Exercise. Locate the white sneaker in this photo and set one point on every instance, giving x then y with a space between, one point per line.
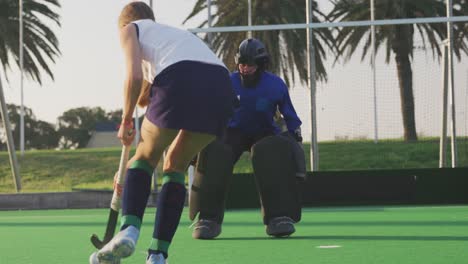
93 259
121 246
156 259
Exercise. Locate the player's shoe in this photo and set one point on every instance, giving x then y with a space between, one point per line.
156 259
121 246
93 259
206 229
280 227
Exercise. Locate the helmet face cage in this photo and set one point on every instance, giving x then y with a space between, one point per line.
252 52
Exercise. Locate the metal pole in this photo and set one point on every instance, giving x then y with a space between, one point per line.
443 134
10 142
466 107
451 85
249 19
314 157
210 21
366 23
374 85
21 62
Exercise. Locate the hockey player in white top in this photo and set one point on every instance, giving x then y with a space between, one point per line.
188 95
162 46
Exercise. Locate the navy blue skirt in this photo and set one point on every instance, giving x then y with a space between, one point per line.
193 96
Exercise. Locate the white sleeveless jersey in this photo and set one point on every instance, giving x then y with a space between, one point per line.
163 45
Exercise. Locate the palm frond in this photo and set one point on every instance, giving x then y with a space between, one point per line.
40 42
287 48
431 34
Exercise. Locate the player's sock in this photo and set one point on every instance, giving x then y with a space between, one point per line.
164 245
136 192
170 204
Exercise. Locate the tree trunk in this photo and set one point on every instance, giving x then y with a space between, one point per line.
405 79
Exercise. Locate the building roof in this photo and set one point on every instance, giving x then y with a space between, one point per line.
106 127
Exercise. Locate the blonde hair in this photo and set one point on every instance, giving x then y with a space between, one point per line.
135 11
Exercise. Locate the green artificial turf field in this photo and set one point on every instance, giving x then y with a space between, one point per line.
352 235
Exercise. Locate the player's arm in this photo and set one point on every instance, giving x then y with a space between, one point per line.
132 83
144 97
293 122
134 75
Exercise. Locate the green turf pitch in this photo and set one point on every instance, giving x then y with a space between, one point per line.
349 235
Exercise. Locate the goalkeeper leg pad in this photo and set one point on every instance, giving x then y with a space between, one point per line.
275 175
299 156
213 173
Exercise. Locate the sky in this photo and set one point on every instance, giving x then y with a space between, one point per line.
90 73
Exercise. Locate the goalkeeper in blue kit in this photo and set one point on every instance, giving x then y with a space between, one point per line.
277 158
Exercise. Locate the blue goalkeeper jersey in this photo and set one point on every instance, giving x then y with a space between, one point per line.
258 105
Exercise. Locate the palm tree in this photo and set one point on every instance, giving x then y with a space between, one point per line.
398 40
40 42
461 29
287 48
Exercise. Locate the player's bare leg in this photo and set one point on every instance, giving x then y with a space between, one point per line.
153 142
171 198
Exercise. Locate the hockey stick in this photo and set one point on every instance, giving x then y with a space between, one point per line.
115 203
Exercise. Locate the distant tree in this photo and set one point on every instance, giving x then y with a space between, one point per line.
115 116
38 134
40 42
43 136
76 125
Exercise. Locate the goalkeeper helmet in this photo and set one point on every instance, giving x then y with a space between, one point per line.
252 52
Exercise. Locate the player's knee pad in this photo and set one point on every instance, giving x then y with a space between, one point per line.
275 174
213 173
